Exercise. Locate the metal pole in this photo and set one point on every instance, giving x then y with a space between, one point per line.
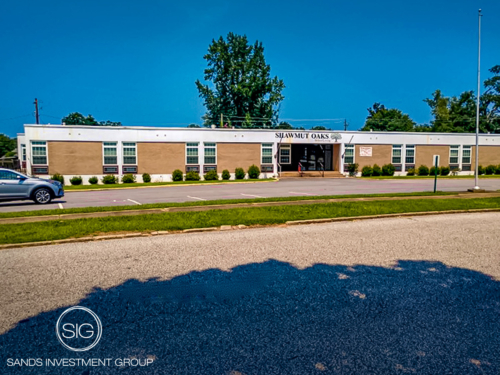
36 111
476 179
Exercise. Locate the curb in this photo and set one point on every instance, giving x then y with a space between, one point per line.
174 185
240 226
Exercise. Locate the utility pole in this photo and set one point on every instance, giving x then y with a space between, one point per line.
476 187
345 125
221 120
36 111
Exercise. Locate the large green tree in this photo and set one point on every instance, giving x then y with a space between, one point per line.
240 84
381 118
7 144
457 114
76 118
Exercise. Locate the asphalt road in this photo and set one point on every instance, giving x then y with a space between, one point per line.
283 188
391 296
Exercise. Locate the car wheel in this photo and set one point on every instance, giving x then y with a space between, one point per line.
42 196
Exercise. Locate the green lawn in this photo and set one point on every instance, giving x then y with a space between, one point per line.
206 203
141 184
52 230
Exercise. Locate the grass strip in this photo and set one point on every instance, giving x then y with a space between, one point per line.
53 230
149 184
208 203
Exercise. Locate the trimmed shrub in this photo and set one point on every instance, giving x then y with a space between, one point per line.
352 169
480 170
93 180
410 172
377 171
128 179
253 172
367 171
109 179
388 170
192 176
76 180
445 171
239 173
58 177
433 171
211 176
177 175
423 170
497 169
226 175
146 177
490 169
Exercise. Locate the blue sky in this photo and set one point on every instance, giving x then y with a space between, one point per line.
137 61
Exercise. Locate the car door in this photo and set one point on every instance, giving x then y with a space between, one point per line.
13 185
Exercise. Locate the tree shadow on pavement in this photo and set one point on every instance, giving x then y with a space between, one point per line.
271 318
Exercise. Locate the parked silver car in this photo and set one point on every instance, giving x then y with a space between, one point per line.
18 186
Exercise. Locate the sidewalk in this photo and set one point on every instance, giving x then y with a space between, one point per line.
32 219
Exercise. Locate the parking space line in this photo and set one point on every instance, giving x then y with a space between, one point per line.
200 199
294 192
250 195
60 206
131 200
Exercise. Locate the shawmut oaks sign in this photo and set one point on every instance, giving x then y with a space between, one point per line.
307 136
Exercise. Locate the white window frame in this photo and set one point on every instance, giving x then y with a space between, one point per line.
209 145
266 146
413 149
131 145
459 150
394 148
108 145
39 144
464 148
350 147
192 145
287 147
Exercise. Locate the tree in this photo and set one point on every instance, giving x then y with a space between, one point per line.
7 144
284 125
194 126
241 84
318 128
457 114
76 118
383 119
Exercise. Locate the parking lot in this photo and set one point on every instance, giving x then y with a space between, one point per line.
282 188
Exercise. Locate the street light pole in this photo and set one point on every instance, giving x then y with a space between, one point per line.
476 187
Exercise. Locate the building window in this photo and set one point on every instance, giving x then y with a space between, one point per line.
454 154
466 154
191 153
396 154
39 152
23 152
349 154
285 154
267 153
129 153
410 154
110 154
210 153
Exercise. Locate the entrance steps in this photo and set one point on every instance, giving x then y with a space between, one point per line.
310 174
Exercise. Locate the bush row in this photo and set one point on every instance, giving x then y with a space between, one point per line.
177 175
386 170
